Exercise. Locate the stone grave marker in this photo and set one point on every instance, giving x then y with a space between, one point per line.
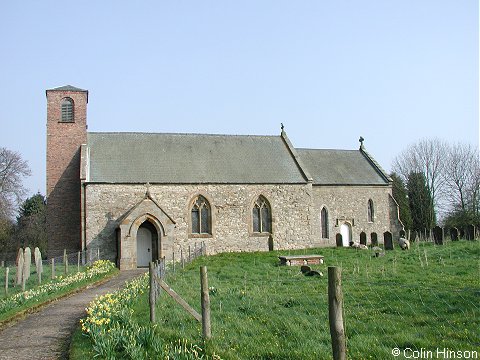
19 263
27 263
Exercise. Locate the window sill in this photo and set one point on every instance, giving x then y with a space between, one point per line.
199 236
257 234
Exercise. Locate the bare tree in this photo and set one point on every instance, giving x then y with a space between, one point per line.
427 157
462 177
12 170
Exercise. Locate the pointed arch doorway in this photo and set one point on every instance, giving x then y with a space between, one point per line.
346 231
148 243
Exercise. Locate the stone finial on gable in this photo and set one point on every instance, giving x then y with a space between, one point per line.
148 195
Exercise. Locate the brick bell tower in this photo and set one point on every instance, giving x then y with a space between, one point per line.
66 132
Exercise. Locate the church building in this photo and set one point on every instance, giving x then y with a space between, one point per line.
137 197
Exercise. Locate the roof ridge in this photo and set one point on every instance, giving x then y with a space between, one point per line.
329 149
160 133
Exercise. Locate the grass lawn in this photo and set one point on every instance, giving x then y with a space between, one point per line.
425 298
14 304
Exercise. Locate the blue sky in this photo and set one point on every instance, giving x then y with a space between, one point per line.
393 71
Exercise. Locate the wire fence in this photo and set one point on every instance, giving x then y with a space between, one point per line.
18 274
425 299
87 257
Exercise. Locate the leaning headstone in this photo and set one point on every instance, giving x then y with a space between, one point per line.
27 263
19 263
304 269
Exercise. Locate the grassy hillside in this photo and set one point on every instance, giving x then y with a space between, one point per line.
425 298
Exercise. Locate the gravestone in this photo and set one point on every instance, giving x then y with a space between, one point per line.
304 269
373 237
470 232
454 234
363 238
339 240
438 235
413 236
27 263
19 262
387 240
313 273
270 243
38 260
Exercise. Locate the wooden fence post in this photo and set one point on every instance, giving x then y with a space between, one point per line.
65 261
206 326
151 273
78 262
53 268
182 260
6 280
173 261
335 313
189 253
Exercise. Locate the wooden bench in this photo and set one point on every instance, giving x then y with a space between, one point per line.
296 260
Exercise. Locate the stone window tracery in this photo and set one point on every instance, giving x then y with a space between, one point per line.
201 216
261 216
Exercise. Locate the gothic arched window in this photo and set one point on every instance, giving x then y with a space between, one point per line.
324 222
201 216
261 216
371 213
67 110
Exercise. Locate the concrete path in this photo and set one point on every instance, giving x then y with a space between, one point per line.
46 334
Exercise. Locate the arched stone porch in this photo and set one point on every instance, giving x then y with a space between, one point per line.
149 211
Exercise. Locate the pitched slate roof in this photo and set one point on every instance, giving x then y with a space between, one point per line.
67 88
342 167
190 158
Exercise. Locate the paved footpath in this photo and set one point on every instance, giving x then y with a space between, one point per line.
46 334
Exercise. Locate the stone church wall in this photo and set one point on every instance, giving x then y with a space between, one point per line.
231 215
350 204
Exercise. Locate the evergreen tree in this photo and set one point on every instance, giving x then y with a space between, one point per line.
420 202
31 227
400 194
